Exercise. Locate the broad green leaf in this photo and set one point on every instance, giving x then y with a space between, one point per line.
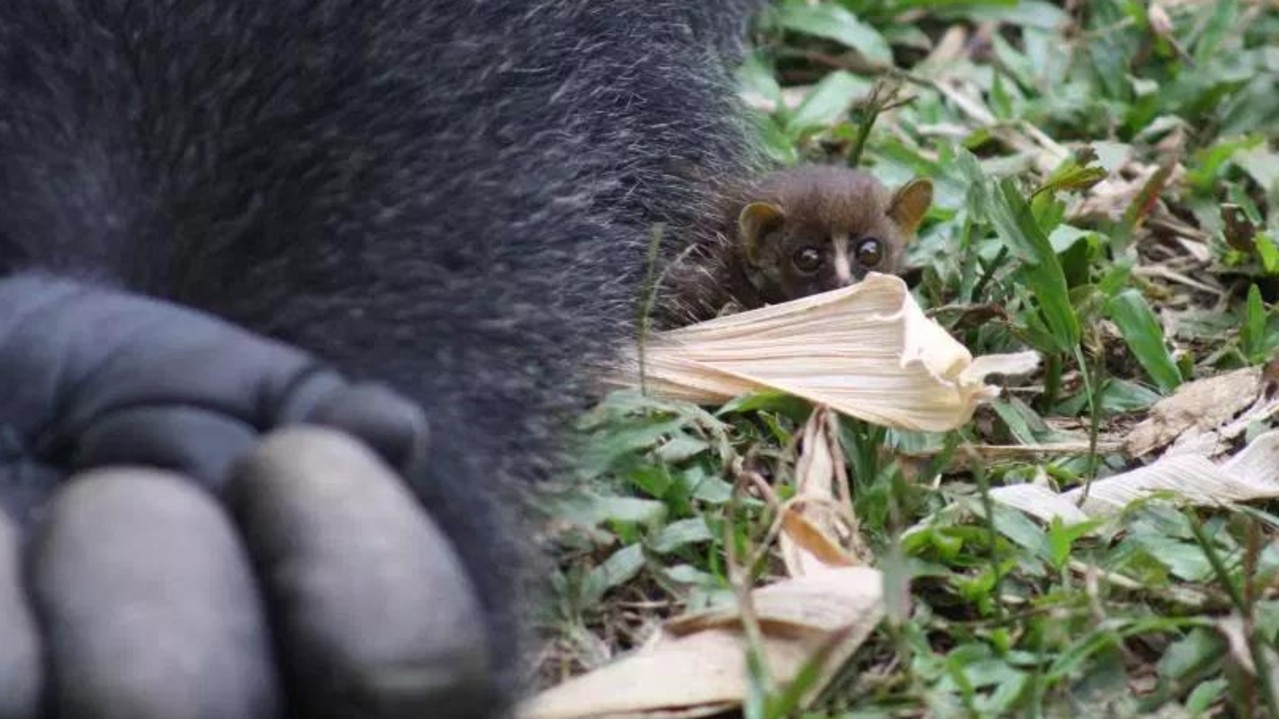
775 139
1144 337
679 534
767 400
621 567
589 510
1055 328
604 452
654 480
1018 424
1262 165
704 486
1120 395
1205 695
681 447
755 76
1184 657
827 101
833 22
1000 100
1026 13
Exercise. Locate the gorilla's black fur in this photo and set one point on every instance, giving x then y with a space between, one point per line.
453 197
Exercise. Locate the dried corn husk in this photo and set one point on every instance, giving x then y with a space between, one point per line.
867 351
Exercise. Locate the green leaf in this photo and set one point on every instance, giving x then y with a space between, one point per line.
1015 525
1267 253
1144 337
1026 13
1000 101
1016 226
1252 336
1205 695
1219 26
688 574
1185 657
704 486
1121 395
621 567
1014 416
607 450
654 480
590 509
1262 166
827 102
770 401
1062 538
755 76
833 22
679 534
1076 172
681 447
1208 162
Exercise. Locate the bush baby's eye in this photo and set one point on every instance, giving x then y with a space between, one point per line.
807 259
870 252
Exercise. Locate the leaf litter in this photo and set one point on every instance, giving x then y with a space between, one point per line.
1083 543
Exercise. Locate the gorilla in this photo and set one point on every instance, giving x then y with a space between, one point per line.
295 298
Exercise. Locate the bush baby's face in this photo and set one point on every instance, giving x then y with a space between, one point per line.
816 229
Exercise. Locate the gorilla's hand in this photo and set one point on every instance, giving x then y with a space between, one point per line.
209 574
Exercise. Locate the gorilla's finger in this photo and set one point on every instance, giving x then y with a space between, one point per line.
20 669
26 485
388 423
188 440
148 603
375 614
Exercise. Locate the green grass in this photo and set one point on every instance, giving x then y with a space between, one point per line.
1163 274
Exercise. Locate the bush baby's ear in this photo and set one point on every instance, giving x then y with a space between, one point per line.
910 204
754 222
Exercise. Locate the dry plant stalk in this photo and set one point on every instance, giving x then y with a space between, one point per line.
867 351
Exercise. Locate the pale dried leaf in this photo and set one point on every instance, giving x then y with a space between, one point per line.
1040 501
1232 628
1196 408
818 528
1250 475
1237 633
698 665
807 545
